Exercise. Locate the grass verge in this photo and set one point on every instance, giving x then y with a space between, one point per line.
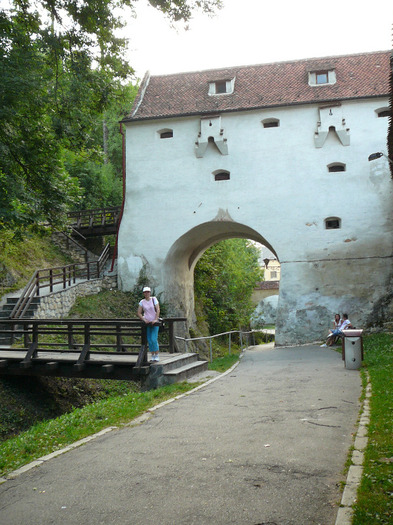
222 363
54 434
48 436
19 259
375 495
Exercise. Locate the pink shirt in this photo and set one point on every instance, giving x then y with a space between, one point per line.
149 312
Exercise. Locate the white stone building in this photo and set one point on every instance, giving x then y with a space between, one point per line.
276 153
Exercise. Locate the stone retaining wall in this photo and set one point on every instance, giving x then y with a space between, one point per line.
58 304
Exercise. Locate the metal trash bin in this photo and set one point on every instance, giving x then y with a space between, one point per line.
352 349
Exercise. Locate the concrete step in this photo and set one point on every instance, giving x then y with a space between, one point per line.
177 361
11 301
7 309
184 372
173 368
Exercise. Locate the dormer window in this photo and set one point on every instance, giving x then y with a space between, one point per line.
322 77
221 87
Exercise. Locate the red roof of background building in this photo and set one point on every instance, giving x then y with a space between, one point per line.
267 285
261 86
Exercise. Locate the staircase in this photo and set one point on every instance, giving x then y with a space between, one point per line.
77 251
6 311
177 368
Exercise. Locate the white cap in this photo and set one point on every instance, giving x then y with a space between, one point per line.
146 289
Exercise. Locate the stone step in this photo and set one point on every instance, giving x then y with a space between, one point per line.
177 361
9 306
184 372
11 301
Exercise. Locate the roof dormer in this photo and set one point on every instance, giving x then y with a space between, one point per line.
221 87
322 77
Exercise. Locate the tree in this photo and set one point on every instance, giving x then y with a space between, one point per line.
62 67
224 279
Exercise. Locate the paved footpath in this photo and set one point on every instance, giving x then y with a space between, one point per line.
262 445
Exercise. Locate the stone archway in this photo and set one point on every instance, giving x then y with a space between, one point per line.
179 265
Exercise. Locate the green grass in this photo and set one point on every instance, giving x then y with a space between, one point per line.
222 363
108 304
26 401
48 436
21 258
375 495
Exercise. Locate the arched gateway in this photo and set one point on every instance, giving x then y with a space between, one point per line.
276 153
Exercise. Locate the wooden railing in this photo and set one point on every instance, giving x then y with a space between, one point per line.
99 217
61 277
115 348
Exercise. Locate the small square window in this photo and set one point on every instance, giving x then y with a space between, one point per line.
222 175
336 167
321 77
332 224
166 134
221 86
271 123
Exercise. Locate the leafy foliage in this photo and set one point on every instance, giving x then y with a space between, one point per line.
64 85
225 277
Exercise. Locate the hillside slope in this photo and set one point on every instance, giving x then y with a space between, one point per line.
26 401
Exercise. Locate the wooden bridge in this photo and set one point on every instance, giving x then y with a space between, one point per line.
96 222
92 348
85 348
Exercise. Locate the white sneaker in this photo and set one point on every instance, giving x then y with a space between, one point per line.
157 358
324 344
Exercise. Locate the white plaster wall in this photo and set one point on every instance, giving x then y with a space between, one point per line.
279 193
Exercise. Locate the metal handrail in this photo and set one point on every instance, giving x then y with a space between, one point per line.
73 241
59 275
210 337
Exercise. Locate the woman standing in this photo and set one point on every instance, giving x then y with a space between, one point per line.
148 313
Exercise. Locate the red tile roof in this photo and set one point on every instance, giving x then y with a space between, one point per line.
261 86
267 285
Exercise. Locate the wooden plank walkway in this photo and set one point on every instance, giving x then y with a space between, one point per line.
99 365
96 348
125 358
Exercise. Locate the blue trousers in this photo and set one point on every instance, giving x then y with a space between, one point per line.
152 337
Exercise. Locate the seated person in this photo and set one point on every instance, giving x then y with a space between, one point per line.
343 324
